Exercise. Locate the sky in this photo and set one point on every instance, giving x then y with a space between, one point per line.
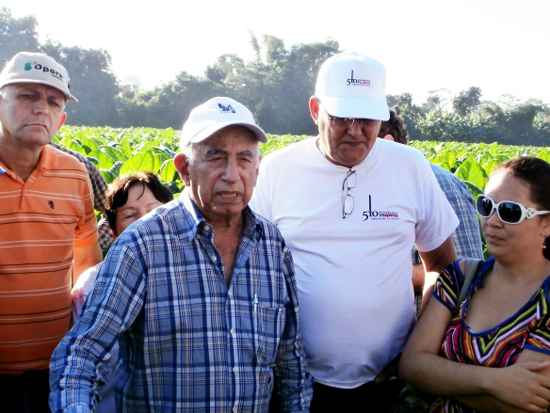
501 46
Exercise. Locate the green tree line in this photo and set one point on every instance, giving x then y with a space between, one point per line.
275 84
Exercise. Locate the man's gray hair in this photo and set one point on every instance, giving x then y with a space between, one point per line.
190 151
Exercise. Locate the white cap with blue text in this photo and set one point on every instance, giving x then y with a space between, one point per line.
215 114
26 67
350 85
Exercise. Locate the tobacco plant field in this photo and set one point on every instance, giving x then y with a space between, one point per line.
120 151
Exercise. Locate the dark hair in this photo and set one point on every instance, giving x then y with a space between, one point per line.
117 192
536 174
396 127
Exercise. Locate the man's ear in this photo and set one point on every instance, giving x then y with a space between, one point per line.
182 166
389 137
63 119
258 168
314 108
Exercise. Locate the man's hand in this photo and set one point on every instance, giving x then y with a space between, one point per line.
389 371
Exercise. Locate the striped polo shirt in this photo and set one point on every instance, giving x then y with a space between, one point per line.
41 220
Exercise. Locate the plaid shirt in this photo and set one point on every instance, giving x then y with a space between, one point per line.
188 341
99 186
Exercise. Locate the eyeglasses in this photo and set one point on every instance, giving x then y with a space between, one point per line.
347 199
347 122
509 212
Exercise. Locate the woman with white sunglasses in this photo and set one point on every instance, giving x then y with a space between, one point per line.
493 353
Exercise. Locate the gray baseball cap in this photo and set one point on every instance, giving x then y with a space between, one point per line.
26 67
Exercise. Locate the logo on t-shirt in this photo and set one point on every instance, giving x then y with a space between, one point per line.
379 215
51 204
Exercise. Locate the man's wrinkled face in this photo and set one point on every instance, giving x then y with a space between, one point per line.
31 114
348 144
223 174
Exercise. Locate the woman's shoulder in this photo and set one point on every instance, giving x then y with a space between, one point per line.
451 280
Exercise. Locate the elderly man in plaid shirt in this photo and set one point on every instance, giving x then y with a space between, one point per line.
200 293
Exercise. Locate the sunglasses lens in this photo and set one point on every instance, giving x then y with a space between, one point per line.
484 206
510 212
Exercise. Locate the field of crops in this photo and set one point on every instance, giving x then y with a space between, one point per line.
119 151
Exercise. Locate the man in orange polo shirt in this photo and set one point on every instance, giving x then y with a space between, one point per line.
48 231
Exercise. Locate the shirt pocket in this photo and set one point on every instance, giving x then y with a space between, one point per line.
269 324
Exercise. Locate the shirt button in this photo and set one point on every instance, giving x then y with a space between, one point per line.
235 410
230 292
214 258
207 227
235 369
232 331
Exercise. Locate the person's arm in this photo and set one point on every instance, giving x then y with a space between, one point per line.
294 382
532 360
79 362
84 258
436 261
418 277
86 250
435 226
518 385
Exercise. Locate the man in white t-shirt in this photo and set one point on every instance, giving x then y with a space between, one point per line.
351 207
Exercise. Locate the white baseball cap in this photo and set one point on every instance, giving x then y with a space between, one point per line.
350 85
216 114
26 67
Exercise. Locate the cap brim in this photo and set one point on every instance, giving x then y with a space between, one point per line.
41 82
206 133
356 108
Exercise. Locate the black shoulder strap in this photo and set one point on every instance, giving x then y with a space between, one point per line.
472 268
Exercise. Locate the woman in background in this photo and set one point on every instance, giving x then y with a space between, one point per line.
504 320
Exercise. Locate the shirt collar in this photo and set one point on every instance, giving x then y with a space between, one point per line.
48 157
47 161
196 222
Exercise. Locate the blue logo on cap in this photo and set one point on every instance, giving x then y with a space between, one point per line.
226 109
